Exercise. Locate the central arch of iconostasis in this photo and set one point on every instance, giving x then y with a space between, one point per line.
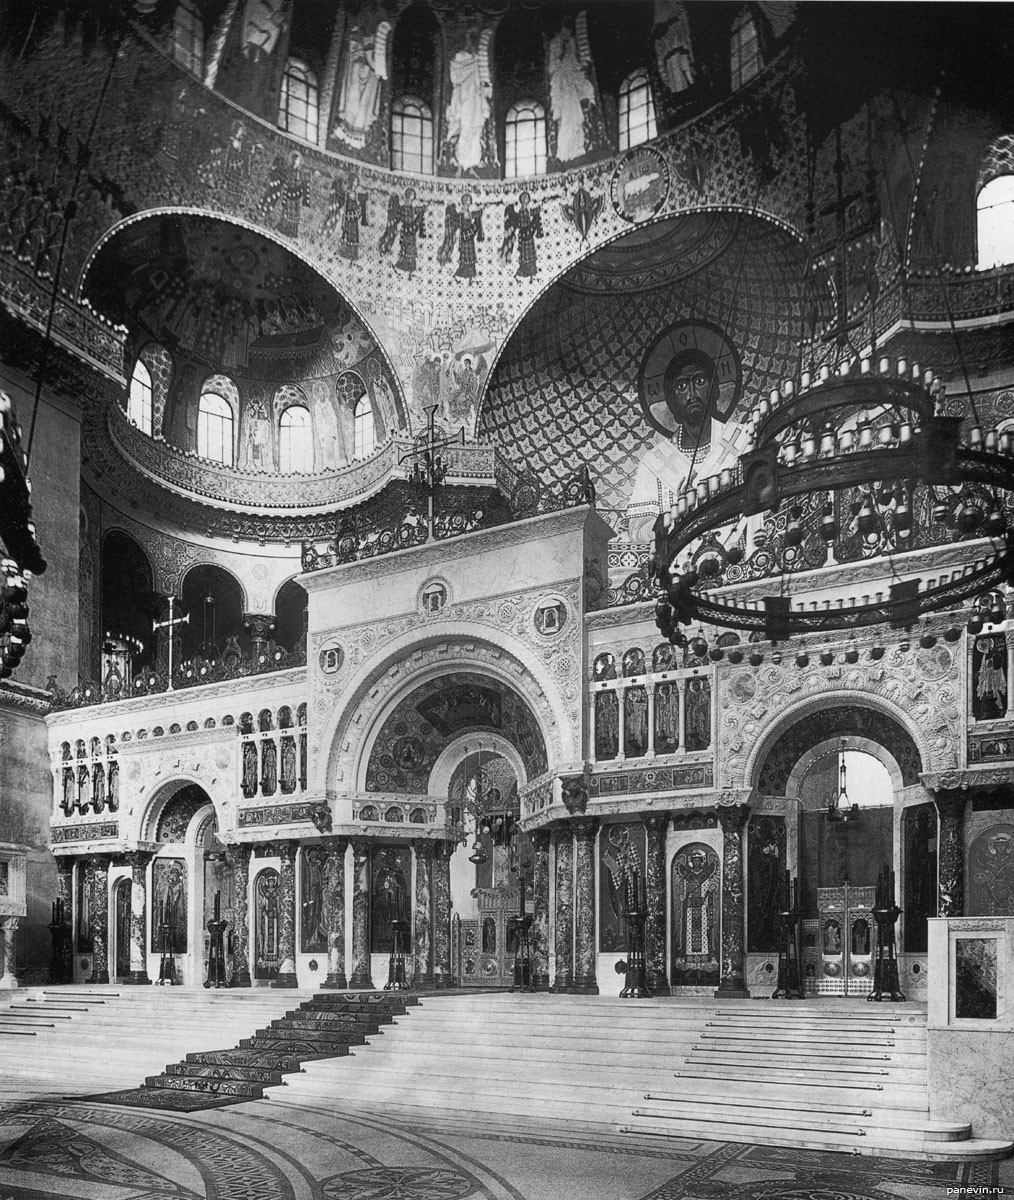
215 307
643 360
474 741
891 826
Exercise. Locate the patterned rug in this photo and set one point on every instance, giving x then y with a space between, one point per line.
323 1027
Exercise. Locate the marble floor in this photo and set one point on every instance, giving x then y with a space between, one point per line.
74 1149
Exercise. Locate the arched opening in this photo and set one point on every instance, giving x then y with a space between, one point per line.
995 222
140 398
215 422
290 614
213 600
127 610
295 441
415 70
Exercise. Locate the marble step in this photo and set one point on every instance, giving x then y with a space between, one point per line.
709 1068
798 1117
901 1146
393 1002
214 1087
796 1055
307 1031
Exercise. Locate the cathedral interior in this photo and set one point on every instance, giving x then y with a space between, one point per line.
504 537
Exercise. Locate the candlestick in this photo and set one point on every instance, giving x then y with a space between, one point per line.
218 905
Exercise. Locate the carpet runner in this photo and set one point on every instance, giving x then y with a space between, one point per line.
323 1027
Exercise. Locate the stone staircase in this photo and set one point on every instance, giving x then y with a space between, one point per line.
82 1040
824 1076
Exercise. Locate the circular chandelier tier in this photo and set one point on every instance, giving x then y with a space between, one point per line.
875 458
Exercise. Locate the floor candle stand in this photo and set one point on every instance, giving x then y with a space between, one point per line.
886 985
790 984
396 981
635 914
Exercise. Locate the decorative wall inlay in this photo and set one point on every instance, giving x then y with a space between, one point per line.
62 834
652 779
990 747
275 814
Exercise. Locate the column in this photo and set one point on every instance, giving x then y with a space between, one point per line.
564 910
238 857
138 861
442 914
1009 714
286 917
650 689
621 724
260 626
681 693
951 853
540 921
422 917
361 977
585 829
732 819
334 912
655 825
8 974
98 881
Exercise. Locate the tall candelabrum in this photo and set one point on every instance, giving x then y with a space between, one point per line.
167 963
790 985
520 925
218 976
634 901
61 968
397 916
886 984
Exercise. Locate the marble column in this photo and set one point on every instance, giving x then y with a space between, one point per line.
422 927
238 857
442 914
732 985
286 917
951 853
8 973
98 880
138 861
655 825
564 910
1009 714
540 921
585 829
361 976
334 912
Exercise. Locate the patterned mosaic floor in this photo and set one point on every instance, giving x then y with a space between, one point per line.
65 1149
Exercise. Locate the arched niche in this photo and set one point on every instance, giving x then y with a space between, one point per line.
290 614
126 596
213 598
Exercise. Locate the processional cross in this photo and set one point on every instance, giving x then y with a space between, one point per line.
429 470
170 625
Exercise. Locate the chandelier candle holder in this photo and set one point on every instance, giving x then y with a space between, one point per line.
790 985
869 457
635 914
886 984
218 976
838 807
400 927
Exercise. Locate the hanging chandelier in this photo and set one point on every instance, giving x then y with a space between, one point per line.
838 807
20 556
843 468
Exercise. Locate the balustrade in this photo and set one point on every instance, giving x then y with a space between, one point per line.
646 716
88 779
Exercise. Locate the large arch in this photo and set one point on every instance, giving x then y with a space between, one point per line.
160 795
345 735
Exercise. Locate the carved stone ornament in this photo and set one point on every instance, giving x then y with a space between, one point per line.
574 789
321 817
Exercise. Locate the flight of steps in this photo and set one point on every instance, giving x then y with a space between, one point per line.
811 1075
82 1040
321 1027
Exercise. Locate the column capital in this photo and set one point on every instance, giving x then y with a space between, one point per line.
541 839
424 849
950 804
336 846
360 846
138 859
585 828
733 817
656 823
238 853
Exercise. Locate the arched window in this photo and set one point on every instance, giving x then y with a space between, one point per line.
411 136
295 441
525 142
188 38
139 404
636 111
744 51
298 110
365 433
214 429
995 207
